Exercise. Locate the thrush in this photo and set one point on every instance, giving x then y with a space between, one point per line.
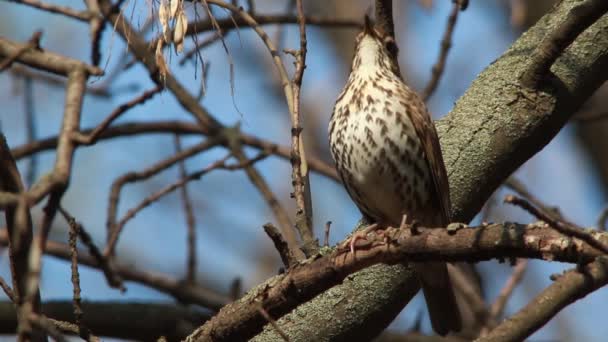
387 152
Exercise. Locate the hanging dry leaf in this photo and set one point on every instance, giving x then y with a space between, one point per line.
175 5
163 70
181 26
163 17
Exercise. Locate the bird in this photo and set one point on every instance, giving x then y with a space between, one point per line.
387 153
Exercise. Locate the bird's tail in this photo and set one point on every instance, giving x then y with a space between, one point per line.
439 296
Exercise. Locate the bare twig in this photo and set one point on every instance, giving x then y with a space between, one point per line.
190 220
30 123
97 23
32 44
99 91
552 46
44 324
91 137
281 245
516 276
273 323
44 60
208 123
113 279
326 236
177 127
304 230
228 24
73 240
517 186
7 290
113 228
446 44
199 46
63 10
57 183
299 175
470 293
558 224
19 239
184 293
568 288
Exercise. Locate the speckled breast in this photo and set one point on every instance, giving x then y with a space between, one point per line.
377 151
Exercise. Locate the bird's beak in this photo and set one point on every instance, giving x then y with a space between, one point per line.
368 26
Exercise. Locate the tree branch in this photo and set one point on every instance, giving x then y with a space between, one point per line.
568 288
301 283
44 60
153 320
552 46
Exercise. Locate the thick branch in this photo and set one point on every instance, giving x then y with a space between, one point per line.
579 19
153 320
281 294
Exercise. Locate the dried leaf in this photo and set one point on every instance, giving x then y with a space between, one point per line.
175 5
163 17
181 26
163 70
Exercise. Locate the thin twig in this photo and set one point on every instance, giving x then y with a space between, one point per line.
131 177
199 46
217 165
91 138
7 290
568 288
561 225
30 123
32 44
63 10
43 323
177 127
446 44
281 245
273 323
326 236
300 176
191 294
190 219
470 293
516 276
19 239
519 187
113 279
97 24
72 241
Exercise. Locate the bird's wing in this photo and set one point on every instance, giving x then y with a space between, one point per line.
425 129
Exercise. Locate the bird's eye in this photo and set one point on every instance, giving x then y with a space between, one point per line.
391 46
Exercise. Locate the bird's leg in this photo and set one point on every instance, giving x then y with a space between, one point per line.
361 235
403 221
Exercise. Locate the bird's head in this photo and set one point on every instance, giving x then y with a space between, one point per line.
375 48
